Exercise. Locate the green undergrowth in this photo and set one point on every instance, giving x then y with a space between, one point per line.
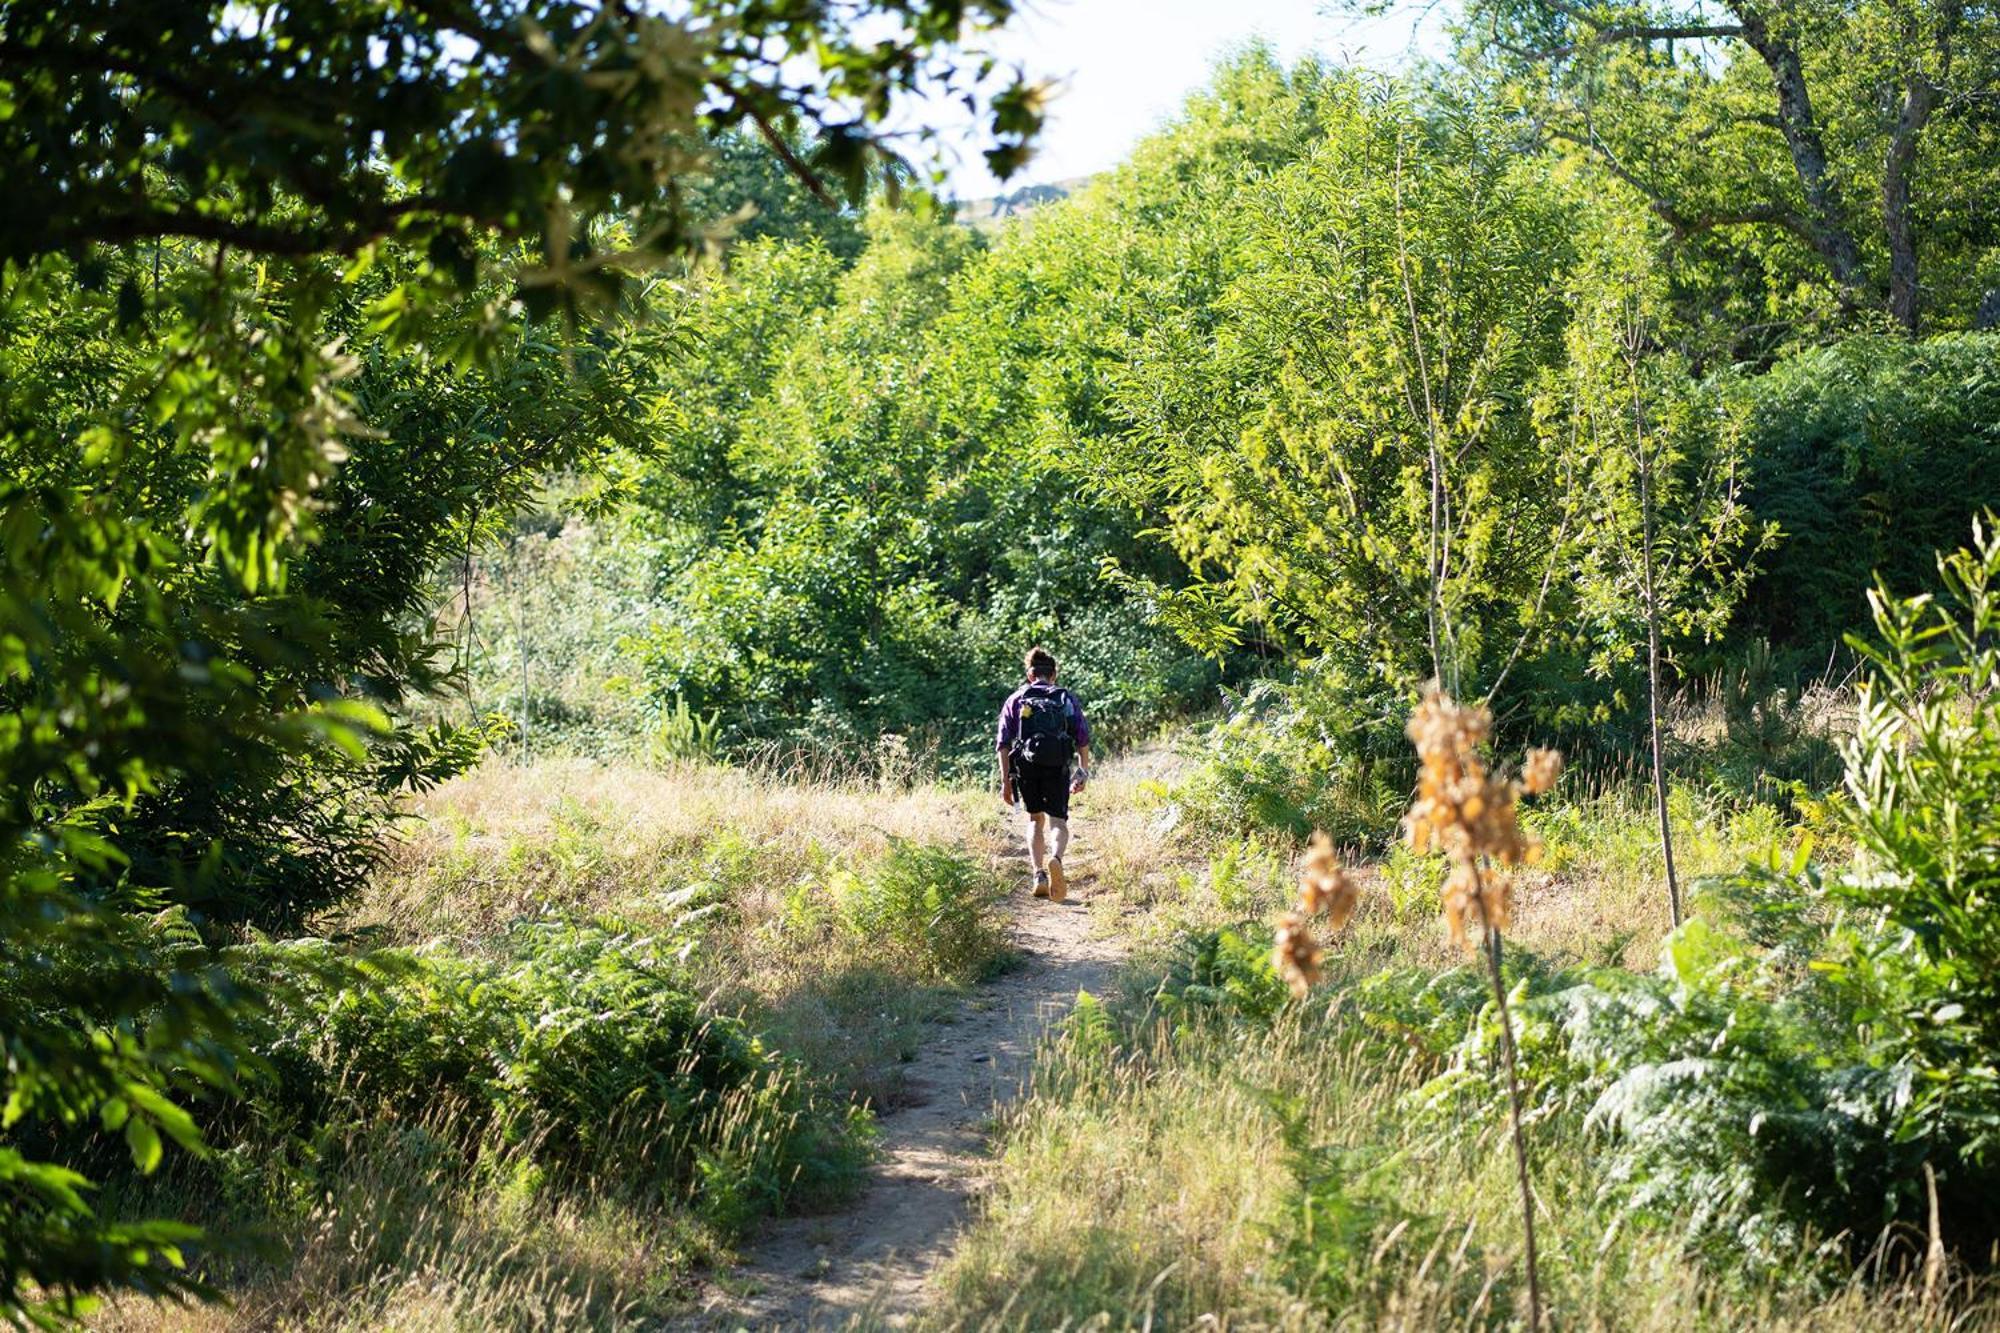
1782 1113
837 942
1709 1148
560 1060
562 1093
1264 1164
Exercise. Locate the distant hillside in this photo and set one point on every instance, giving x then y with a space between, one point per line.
990 212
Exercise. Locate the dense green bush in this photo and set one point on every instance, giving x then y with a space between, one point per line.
1712 1096
584 1048
1870 454
1226 971
855 540
923 908
1299 756
1816 1051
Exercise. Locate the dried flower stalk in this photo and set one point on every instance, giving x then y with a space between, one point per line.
1326 888
1297 953
1467 813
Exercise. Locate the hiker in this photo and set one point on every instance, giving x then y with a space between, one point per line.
1042 730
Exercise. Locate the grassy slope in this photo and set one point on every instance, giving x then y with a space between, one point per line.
1159 1174
576 839
1151 1170
400 1229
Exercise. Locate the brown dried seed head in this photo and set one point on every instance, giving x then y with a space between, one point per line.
1468 814
1296 954
1539 770
1325 885
1336 894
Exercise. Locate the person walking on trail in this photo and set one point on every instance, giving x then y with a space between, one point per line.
1044 759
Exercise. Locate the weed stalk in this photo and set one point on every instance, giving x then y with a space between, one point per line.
1514 1115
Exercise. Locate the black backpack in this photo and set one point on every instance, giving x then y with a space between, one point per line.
1043 735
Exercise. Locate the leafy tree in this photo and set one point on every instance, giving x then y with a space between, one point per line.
757 197
1868 455
1670 542
264 364
1344 439
889 501
1835 157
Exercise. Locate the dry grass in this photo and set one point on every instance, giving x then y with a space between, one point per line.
577 837
1150 1173
1155 1178
1158 1188
404 1230
403 1238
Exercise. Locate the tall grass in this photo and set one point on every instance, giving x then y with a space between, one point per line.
840 918
1205 1155
628 1012
400 1232
1210 1174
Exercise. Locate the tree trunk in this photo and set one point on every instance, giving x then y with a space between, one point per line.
1644 459
1434 572
1827 223
520 642
1919 99
1436 563
1653 719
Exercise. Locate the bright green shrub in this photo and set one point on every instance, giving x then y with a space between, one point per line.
925 907
1817 1051
1227 971
587 1050
1298 757
900 559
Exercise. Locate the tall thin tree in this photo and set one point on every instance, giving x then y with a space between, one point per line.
1644 462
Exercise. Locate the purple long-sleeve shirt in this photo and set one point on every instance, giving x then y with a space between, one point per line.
1010 718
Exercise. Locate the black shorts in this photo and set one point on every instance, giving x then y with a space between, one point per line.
1043 789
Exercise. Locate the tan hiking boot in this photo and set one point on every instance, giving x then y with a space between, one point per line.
1058 882
1041 883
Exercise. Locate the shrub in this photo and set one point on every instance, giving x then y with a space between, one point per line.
1813 1062
1227 971
1918 948
1294 758
582 1047
1869 454
927 907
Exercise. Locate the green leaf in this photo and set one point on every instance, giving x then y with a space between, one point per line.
144 1142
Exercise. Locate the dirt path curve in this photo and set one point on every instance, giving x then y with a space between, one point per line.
872 1259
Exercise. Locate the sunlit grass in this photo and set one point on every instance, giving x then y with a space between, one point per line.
402 1233
1156 1167
1159 1183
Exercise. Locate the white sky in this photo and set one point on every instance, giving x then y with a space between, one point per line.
1124 66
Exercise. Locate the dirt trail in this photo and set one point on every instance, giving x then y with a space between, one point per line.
872 1258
